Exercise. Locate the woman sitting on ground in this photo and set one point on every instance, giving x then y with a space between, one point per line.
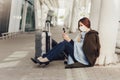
81 52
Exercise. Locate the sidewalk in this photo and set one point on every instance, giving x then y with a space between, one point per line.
15 63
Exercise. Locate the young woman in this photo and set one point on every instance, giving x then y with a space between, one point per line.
81 52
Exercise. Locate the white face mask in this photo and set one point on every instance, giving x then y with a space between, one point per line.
83 28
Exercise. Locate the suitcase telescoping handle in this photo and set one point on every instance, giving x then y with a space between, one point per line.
47 26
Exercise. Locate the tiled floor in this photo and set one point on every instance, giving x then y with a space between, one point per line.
15 63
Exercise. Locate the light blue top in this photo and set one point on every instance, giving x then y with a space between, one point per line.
78 52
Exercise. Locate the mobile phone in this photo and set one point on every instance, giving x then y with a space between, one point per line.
64 30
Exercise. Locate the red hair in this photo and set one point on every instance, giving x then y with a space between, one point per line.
84 21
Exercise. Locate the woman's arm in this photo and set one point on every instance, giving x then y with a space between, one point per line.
66 37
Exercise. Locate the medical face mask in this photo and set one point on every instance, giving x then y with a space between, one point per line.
83 28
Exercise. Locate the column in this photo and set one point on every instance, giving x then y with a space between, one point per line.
95 13
68 13
15 15
40 14
36 13
44 15
69 18
74 19
24 15
55 17
108 31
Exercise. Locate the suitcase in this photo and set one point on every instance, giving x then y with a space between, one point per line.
43 42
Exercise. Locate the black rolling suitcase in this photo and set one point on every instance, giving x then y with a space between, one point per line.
43 41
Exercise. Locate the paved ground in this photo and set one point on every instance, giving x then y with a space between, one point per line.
15 63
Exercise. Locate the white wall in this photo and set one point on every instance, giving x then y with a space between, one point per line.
15 16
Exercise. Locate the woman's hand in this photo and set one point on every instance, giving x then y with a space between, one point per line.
66 37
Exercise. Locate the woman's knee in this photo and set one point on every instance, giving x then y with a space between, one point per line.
64 42
67 44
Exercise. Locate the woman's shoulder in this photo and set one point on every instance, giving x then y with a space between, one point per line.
93 32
